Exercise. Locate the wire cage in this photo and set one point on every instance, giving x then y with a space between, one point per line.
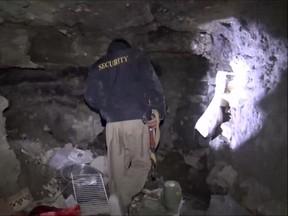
88 188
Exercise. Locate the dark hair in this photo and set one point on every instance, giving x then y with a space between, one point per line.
118 44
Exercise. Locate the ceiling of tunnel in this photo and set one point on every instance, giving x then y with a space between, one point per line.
135 16
78 31
111 15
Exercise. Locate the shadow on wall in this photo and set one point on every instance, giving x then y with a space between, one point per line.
193 100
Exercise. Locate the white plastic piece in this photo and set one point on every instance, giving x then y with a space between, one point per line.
100 163
70 201
212 116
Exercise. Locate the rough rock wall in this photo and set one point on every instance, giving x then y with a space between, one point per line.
185 85
47 107
256 51
46 111
77 32
9 166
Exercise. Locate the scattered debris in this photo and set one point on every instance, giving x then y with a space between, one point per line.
63 31
219 142
228 174
194 158
46 128
46 156
48 210
193 161
256 195
101 163
20 200
70 201
30 148
52 188
69 155
153 194
221 178
224 205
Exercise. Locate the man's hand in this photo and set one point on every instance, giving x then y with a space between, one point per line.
152 123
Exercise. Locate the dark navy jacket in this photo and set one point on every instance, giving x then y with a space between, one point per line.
117 83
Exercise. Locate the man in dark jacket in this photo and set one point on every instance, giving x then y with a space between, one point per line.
118 88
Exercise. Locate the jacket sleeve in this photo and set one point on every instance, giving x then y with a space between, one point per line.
154 89
93 89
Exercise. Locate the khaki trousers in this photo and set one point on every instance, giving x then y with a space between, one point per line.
129 158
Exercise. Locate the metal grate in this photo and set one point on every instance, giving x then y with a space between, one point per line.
90 194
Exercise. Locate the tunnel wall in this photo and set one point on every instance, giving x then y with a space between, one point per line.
256 51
